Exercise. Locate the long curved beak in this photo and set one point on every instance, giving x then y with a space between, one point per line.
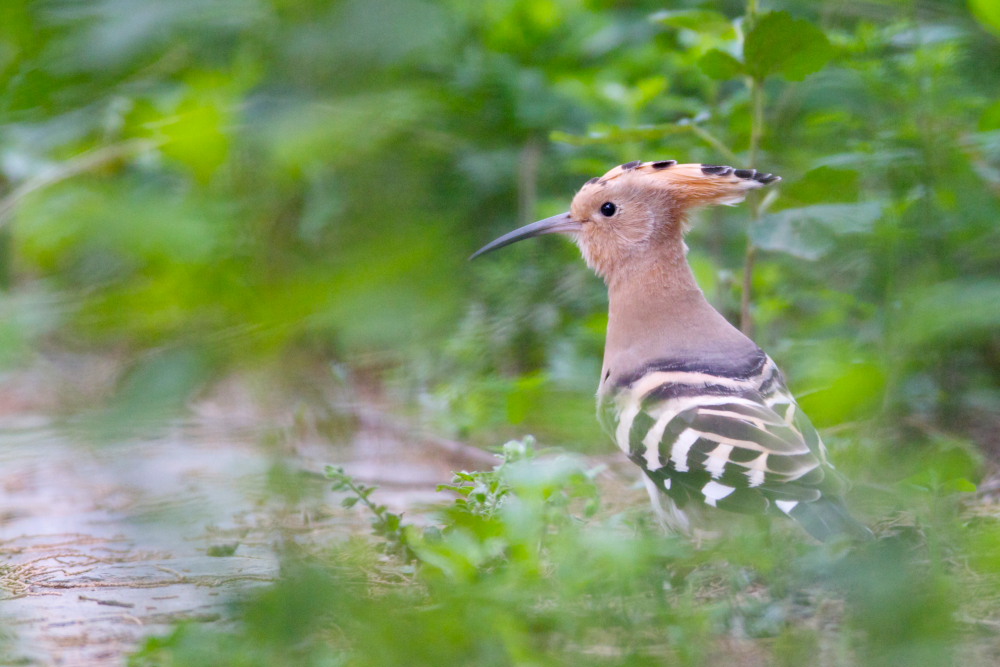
557 224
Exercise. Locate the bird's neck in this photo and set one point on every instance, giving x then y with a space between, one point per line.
658 313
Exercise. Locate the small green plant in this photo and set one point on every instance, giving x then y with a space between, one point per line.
385 524
482 493
222 550
485 500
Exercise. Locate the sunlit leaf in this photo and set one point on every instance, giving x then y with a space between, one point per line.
850 391
990 120
649 89
987 12
984 547
781 45
961 485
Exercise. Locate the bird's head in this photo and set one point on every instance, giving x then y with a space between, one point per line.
638 208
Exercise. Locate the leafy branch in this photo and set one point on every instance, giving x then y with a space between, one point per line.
385 524
775 44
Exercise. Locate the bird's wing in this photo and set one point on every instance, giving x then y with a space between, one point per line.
776 396
717 439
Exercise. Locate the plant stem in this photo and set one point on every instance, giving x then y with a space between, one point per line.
527 179
757 120
756 133
750 256
708 138
359 492
746 318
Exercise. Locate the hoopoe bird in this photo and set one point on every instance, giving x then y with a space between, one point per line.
698 406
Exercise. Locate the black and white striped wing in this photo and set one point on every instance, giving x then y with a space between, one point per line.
777 397
716 439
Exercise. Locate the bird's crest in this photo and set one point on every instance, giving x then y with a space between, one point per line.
691 184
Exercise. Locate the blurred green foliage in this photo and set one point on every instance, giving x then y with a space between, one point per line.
246 182
526 566
202 185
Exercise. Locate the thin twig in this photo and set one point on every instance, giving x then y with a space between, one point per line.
78 165
756 133
714 142
527 179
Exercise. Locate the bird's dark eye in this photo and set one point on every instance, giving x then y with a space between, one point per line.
608 209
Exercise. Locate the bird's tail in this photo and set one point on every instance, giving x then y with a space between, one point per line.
827 518
672 518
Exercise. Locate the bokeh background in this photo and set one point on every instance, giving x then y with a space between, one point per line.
288 191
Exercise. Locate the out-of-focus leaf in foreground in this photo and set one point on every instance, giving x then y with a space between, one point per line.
987 13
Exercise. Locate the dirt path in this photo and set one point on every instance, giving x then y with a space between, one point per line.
101 546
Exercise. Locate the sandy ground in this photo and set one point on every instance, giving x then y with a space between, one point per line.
104 545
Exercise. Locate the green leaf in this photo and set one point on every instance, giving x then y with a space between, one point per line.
349 502
990 120
781 45
823 184
848 392
987 12
809 232
961 485
966 310
699 20
948 469
720 65
648 89
463 490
